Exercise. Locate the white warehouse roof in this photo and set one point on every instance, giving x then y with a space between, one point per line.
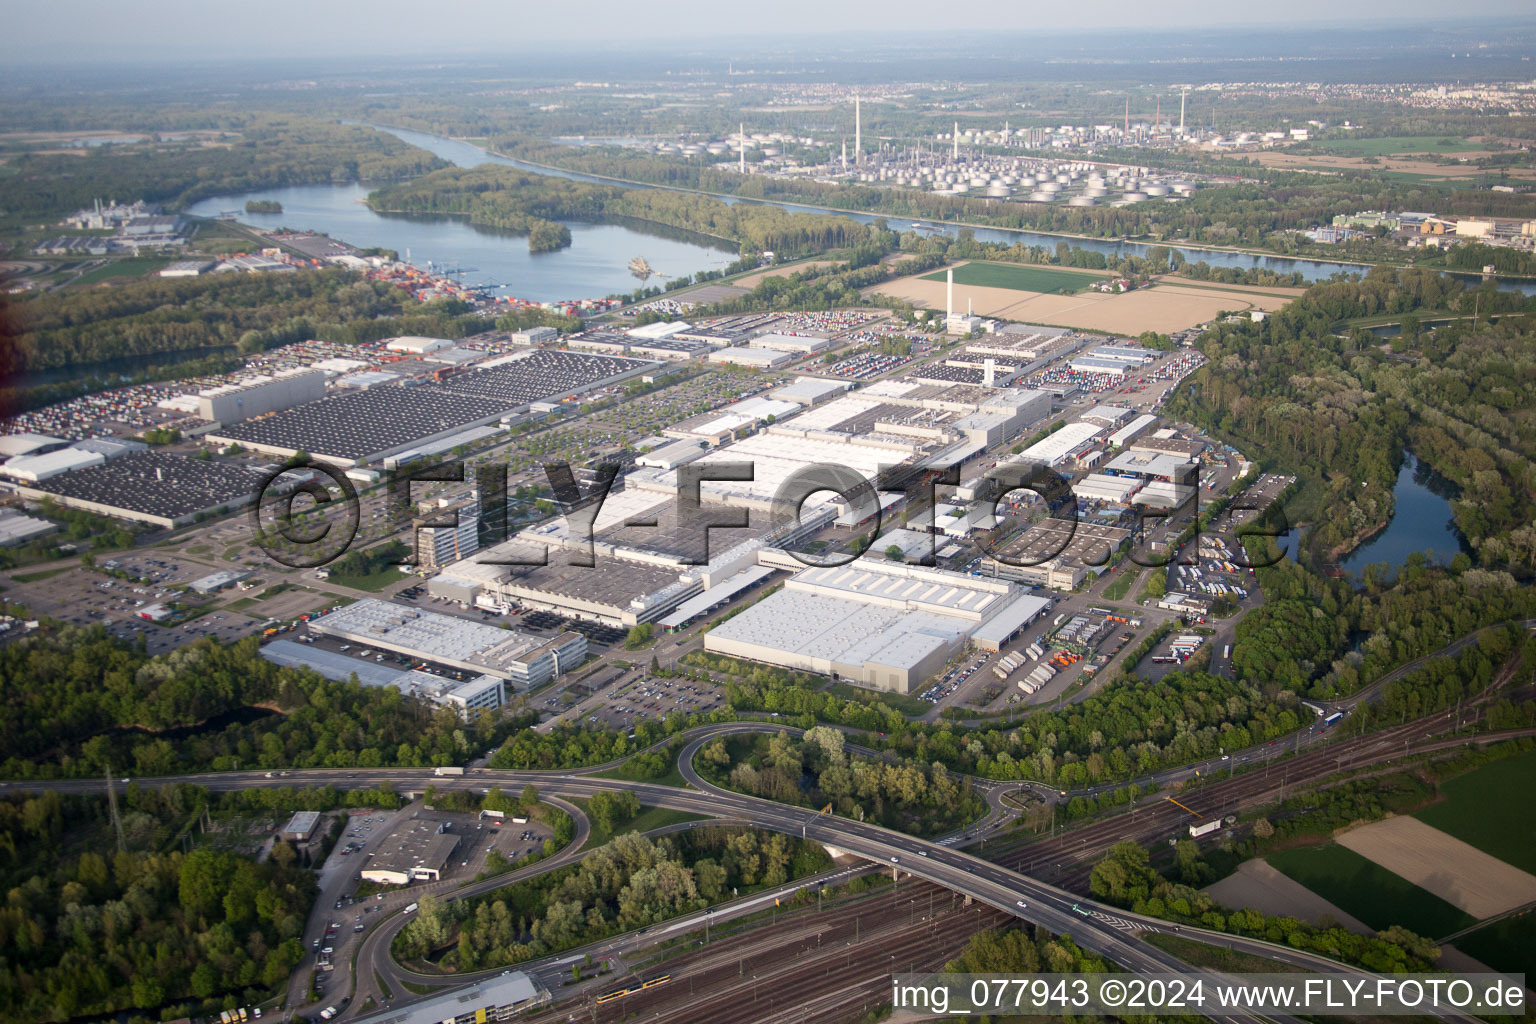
413 343
1054 450
1131 430
33 468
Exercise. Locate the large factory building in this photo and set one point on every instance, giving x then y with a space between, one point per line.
883 625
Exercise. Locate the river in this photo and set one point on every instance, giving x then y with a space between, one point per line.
1422 520
596 263
465 154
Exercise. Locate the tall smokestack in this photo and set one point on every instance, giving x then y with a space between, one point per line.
845 155
949 293
858 132
1127 115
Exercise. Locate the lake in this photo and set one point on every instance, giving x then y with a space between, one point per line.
1421 521
594 265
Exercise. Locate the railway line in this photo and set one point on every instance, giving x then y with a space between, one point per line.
765 976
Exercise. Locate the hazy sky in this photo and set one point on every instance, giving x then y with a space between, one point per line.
124 30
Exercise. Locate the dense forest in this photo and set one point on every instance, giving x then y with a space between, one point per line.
1339 406
262 151
75 701
90 931
524 203
631 882
814 770
247 312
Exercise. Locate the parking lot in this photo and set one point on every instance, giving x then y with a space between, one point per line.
651 697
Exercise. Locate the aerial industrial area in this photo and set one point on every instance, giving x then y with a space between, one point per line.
723 535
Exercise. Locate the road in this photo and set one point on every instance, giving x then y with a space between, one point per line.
1105 930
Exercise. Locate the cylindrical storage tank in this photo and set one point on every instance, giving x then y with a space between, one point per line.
997 191
1135 197
961 187
1095 192
1080 201
1156 190
1026 182
1042 197
1050 186
978 182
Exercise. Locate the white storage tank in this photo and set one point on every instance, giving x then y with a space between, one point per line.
1080 201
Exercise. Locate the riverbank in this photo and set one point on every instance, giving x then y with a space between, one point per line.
732 197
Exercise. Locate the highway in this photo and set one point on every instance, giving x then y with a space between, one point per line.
1105 930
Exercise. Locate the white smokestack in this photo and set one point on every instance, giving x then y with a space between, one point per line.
845 155
858 133
1183 94
949 294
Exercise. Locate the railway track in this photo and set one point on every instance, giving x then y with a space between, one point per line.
811 969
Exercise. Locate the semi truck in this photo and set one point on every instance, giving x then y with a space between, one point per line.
448 771
1196 831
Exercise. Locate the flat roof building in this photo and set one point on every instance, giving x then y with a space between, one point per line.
161 488
301 827
534 335
12 445
756 358
1138 426
880 624
234 403
520 658
1058 447
790 343
37 468
810 391
417 852
498 998
214 582
16 528
417 345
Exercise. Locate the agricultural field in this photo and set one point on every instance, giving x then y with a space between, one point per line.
1493 809
1462 875
1368 891
1397 145
1021 278
1507 945
1171 305
757 277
